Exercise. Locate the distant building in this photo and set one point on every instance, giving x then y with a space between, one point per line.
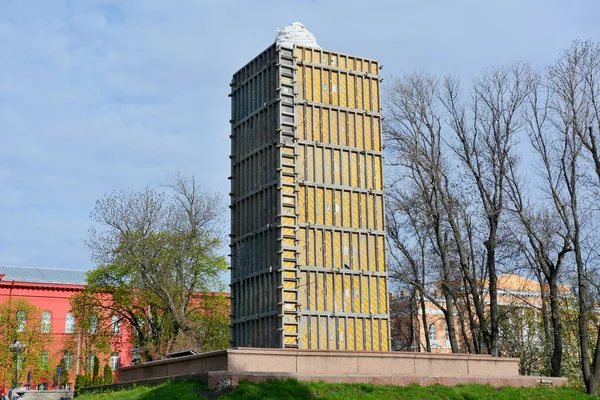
50 290
308 266
519 304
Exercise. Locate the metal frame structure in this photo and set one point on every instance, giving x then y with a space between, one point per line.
307 235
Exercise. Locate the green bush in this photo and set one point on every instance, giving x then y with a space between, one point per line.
107 378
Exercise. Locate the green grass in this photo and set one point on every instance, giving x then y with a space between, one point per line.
293 389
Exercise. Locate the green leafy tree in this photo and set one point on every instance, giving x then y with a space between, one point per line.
158 254
107 376
21 320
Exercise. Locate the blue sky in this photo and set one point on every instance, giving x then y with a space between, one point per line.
98 95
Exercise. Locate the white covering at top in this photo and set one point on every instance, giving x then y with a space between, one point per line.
296 33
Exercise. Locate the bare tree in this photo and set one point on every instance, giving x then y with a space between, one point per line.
486 137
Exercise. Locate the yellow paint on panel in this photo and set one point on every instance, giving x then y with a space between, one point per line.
385 342
371 249
335 88
304 336
343 129
319 164
365 66
310 247
346 249
374 67
380 253
354 254
364 256
351 334
347 294
379 212
351 130
343 95
346 209
360 103
312 289
373 294
376 337
308 83
362 211
322 332
289 242
299 52
319 207
330 292
369 171
355 293
341 334
376 132
289 265
287 190
316 56
343 61
302 238
355 210
288 179
337 171
360 142
324 137
288 150
329 256
328 207
333 127
359 332
353 169
320 292
368 333
337 248
316 130
325 92
375 95
346 167
364 290
319 247
369 143
317 85
367 94
290 340
377 172
289 254
326 166
382 296
351 91
301 122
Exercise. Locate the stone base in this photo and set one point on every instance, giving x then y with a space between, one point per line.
228 367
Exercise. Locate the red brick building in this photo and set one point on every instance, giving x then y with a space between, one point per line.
49 290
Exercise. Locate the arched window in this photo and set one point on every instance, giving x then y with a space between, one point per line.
114 361
70 323
46 316
116 324
21 319
432 333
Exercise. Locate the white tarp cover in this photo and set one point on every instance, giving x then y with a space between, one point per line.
296 33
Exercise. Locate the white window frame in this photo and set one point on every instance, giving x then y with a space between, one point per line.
70 323
46 323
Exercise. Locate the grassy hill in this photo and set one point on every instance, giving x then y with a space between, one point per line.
292 389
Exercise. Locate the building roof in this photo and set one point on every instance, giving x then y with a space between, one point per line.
42 275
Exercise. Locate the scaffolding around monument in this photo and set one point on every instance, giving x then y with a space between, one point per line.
307 237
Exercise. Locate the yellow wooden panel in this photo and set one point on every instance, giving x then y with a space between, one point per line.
371 249
321 291
288 150
333 127
330 292
369 171
362 198
368 334
346 250
343 61
328 207
310 247
380 253
319 207
302 238
364 259
354 255
318 164
364 290
375 68
360 101
376 337
287 179
346 210
324 136
375 95
343 127
337 248
308 122
377 172
289 242
373 290
351 334
337 171
313 333
341 335
327 174
289 265
325 89
287 190
316 56
350 63
335 89
345 168
355 211
300 82
385 342
308 83
351 130
355 294
304 336
329 255
367 94
359 333
347 294
383 304
289 253
301 118
351 91
299 52
343 95
366 66
316 129
360 142
319 247
379 213
369 144
317 90
312 285
376 132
